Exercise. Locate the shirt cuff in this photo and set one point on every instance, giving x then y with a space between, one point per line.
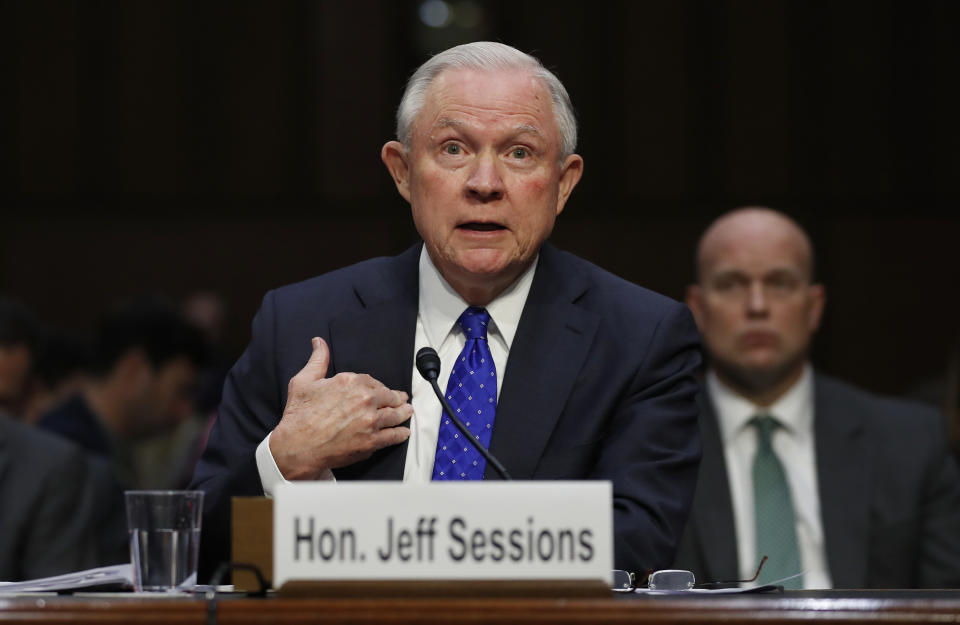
270 475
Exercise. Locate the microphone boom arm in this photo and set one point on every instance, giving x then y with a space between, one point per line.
490 458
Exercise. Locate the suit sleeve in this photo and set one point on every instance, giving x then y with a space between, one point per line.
939 548
653 451
250 408
60 538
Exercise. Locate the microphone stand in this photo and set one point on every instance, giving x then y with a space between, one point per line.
490 458
428 364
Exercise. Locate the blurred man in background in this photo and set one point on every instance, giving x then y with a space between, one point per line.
40 366
47 504
142 381
844 488
60 372
46 491
167 460
943 391
18 353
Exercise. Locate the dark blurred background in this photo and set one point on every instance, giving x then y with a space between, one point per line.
233 146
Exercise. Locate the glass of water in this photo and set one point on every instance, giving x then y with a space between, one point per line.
164 538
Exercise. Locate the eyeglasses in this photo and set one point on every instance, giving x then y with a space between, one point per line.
672 579
755 577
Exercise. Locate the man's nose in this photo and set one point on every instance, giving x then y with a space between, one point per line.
182 409
756 299
485 182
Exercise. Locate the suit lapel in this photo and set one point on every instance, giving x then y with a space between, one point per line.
843 476
712 517
551 343
378 339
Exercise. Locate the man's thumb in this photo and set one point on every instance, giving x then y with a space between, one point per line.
319 359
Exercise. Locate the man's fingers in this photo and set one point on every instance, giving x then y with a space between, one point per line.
392 436
378 440
319 359
392 417
386 397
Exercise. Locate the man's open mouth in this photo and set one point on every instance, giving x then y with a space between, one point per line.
483 227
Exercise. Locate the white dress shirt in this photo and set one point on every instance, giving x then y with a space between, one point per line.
438 309
794 445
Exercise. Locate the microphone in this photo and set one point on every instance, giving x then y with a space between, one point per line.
428 364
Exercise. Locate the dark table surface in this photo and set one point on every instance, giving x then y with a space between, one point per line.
881 606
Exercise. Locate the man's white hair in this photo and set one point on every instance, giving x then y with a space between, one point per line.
485 56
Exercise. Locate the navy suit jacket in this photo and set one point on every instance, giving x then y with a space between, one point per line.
599 384
889 495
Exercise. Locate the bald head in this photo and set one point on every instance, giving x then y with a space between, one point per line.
754 301
753 226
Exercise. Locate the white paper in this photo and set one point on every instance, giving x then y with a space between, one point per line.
118 574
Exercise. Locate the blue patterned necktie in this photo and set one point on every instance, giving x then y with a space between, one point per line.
776 528
472 393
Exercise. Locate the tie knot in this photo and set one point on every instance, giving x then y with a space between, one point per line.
765 425
474 322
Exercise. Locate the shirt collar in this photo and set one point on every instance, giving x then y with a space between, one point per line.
794 410
440 306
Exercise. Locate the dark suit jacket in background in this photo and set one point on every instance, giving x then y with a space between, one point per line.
75 421
889 495
45 505
111 472
599 384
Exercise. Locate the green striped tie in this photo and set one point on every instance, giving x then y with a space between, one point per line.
775 526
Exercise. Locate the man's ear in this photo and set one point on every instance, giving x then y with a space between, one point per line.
570 172
818 301
394 156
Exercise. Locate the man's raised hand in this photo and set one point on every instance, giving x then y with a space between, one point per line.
332 422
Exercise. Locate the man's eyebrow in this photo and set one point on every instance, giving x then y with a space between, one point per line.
728 272
735 272
449 122
527 129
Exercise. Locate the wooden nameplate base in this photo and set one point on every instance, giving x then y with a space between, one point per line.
456 589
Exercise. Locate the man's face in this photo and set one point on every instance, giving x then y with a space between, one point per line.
483 175
167 398
15 364
755 306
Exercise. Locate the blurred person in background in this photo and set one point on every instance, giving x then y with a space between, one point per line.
60 371
952 401
18 353
142 381
845 488
48 500
166 461
943 391
47 490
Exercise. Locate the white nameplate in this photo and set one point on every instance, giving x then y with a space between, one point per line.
448 530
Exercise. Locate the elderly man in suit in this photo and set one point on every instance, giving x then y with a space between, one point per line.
845 488
589 376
